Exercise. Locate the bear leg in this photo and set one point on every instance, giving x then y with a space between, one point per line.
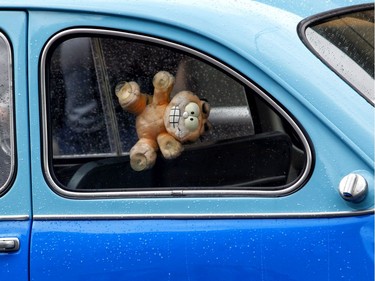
169 146
143 155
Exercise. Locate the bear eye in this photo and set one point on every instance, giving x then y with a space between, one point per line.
191 123
192 109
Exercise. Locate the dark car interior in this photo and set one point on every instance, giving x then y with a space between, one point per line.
250 146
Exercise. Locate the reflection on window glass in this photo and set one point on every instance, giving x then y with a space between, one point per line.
248 145
6 146
76 110
346 43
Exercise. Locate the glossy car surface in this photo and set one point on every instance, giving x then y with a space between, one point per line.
259 199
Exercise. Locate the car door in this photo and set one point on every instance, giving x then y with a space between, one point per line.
239 204
15 186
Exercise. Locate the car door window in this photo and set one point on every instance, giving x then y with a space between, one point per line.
248 144
6 142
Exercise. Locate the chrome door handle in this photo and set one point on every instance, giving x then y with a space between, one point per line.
9 245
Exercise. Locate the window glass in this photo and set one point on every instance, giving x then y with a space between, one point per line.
245 145
6 146
346 43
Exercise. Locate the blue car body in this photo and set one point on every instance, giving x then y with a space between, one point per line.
308 234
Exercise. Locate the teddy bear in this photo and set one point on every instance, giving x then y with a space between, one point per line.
161 122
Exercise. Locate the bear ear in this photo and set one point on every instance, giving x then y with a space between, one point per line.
207 126
205 108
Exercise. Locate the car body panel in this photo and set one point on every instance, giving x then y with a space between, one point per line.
314 122
305 235
15 265
15 205
271 249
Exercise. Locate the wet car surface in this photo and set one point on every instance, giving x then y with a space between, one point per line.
281 186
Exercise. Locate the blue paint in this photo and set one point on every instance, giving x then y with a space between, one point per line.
16 202
15 266
267 50
271 249
337 121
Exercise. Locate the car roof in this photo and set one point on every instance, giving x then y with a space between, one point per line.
234 23
237 24
303 8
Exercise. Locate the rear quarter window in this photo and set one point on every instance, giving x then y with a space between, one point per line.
344 40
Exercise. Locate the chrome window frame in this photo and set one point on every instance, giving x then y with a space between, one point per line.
6 186
294 186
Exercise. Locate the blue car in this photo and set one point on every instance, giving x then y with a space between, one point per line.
279 185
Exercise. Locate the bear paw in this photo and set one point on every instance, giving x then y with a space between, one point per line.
127 93
163 80
139 162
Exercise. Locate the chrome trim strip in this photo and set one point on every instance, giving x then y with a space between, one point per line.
15 218
204 216
88 31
